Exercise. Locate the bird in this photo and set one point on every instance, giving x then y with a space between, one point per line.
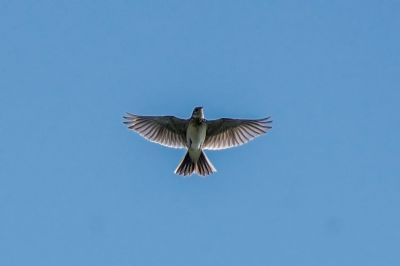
197 134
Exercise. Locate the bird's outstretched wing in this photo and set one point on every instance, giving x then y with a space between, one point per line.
226 132
169 131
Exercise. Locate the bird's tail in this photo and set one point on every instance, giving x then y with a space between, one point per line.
202 167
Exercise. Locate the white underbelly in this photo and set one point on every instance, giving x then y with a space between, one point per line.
196 136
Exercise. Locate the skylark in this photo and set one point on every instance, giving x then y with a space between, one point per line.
197 134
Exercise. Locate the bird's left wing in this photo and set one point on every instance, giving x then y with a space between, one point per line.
227 132
168 131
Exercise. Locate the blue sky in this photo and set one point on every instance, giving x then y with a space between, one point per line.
78 188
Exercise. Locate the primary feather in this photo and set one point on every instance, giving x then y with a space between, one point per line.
169 131
227 132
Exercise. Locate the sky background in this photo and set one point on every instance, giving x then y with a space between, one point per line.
321 188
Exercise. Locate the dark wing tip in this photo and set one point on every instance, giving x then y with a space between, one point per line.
265 119
130 119
130 115
265 123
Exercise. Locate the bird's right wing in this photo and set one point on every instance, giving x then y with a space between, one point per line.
227 132
168 131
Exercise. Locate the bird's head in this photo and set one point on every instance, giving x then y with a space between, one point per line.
198 112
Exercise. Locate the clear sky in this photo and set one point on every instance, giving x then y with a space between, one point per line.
321 188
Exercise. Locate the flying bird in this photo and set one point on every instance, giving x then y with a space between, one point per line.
197 134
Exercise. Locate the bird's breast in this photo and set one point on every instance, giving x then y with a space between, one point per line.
195 135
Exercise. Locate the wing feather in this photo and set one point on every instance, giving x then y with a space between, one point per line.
168 131
227 132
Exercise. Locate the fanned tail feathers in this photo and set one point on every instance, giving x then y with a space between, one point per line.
202 167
